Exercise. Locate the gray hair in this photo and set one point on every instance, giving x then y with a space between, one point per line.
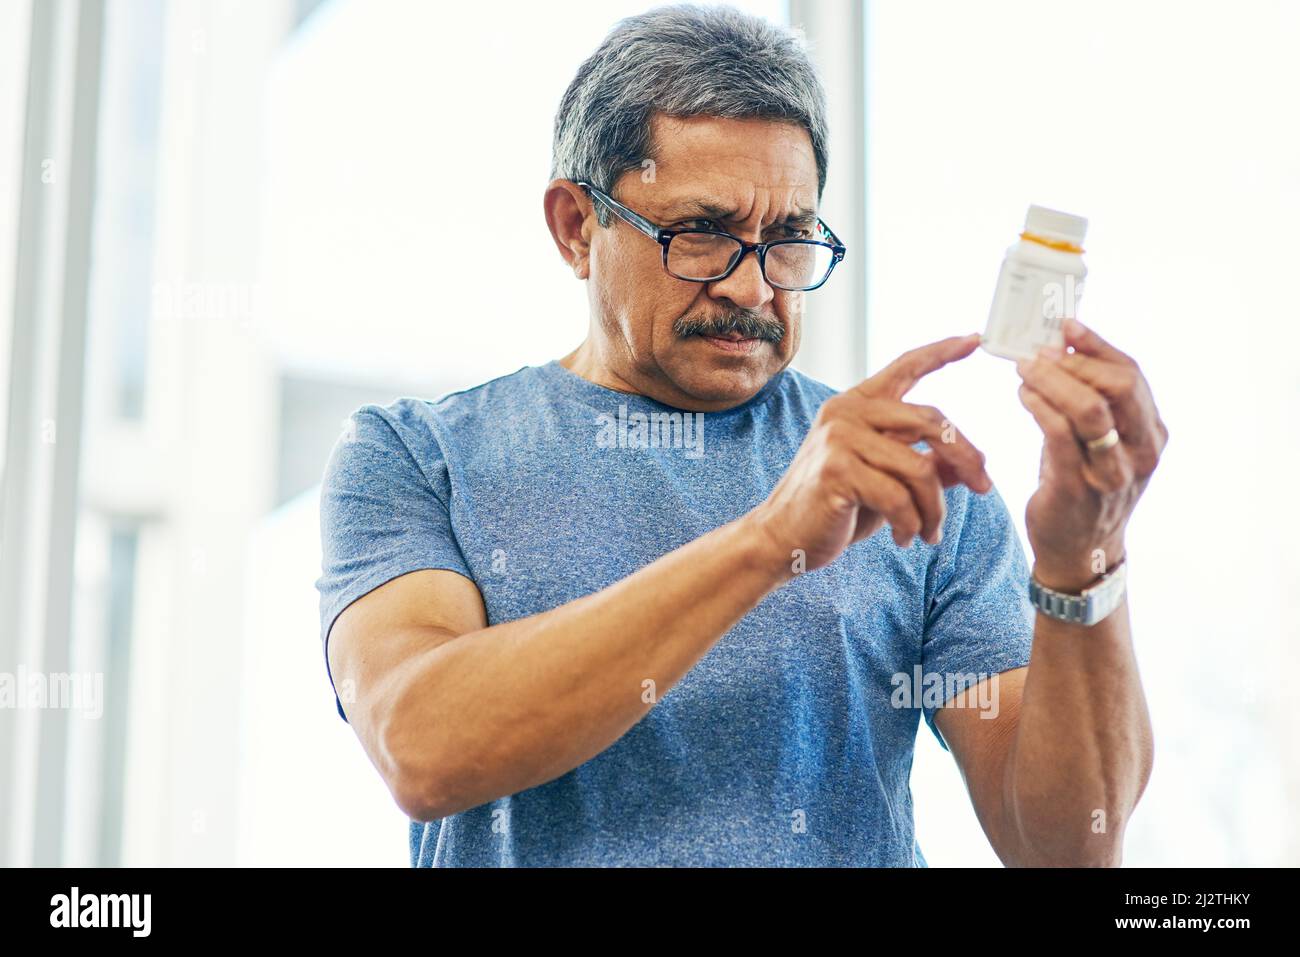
681 61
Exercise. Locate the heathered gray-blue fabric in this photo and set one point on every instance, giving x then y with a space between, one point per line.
786 744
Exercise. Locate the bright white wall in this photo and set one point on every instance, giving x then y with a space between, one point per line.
1172 128
309 796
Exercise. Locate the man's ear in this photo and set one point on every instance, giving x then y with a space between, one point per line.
570 218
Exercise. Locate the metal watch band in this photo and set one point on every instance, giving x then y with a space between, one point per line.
1095 603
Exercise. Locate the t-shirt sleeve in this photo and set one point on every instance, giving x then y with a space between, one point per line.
381 515
979 621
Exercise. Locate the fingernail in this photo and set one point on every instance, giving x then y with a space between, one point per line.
1050 353
1022 366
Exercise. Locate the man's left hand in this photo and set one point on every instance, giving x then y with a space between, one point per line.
1076 519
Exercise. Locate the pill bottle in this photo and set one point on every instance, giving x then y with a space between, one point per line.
1039 285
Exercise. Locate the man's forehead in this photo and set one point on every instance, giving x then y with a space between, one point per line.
702 203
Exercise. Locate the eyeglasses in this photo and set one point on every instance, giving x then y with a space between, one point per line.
711 255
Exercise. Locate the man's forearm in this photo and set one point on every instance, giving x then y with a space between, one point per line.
515 705
1082 752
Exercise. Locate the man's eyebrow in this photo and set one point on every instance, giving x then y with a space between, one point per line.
690 208
801 217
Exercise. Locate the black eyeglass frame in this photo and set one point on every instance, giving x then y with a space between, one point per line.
663 236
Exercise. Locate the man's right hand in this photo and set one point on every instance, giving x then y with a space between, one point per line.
856 469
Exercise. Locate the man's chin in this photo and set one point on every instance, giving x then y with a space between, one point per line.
727 376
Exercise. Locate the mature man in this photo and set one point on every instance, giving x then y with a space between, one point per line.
639 605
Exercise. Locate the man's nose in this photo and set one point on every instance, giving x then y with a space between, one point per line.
746 286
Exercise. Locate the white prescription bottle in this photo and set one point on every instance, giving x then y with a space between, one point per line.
1039 285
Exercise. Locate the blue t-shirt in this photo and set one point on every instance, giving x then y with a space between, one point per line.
790 742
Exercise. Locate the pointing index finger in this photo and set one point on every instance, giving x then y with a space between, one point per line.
896 379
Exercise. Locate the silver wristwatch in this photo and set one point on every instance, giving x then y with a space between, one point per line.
1095 603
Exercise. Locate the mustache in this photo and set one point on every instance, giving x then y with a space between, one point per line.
745 322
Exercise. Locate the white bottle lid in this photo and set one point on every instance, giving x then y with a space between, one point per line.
1054 224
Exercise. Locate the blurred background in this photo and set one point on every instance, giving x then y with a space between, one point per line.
224 224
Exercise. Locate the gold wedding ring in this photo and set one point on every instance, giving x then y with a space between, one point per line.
1107 441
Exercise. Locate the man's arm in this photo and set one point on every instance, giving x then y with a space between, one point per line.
455 713
1055 777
